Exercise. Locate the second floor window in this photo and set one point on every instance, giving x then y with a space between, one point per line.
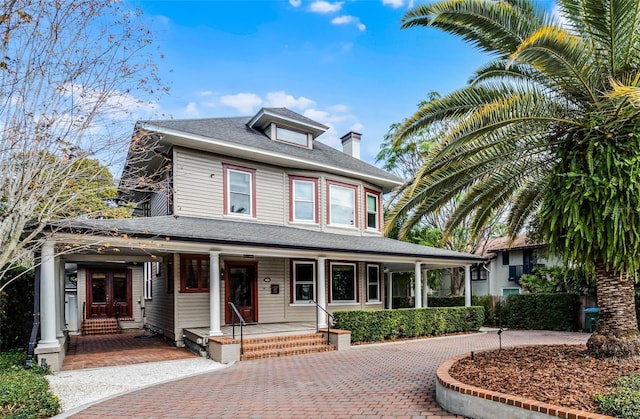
373 210
342 205
239 191
303 200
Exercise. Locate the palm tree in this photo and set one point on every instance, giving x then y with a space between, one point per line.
548 130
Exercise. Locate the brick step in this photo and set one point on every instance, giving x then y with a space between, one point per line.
274 353
259 346
282 338
100 326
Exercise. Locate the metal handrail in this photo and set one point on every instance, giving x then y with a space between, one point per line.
235 313
329 316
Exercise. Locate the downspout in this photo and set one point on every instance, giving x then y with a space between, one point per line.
36 315
488 278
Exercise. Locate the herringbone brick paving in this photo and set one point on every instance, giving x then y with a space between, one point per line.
383 380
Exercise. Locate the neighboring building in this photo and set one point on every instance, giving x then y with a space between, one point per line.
255 212
505 262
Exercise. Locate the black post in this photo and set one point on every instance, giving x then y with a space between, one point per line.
36 315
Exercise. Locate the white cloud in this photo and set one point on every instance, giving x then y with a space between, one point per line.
191 109
321 6
244 102
205 93
295 3
393 3
282 99
348 19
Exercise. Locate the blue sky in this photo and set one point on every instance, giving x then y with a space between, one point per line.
346 63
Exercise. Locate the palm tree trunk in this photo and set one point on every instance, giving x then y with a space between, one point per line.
617 333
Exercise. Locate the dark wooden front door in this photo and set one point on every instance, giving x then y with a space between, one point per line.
108 294
241 289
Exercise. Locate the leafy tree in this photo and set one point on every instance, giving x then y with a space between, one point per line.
549 127
551 279
71 74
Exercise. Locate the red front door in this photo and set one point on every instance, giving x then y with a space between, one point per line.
241 289
108 294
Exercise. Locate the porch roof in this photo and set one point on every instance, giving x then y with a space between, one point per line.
251 234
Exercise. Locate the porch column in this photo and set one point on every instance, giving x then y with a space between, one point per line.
467 285
418 285
390 290
48 314
214 294
322 292
60 300
425 291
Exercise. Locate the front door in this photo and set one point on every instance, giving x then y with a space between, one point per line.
241 289
108 294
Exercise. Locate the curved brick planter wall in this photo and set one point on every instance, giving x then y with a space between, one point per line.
475 402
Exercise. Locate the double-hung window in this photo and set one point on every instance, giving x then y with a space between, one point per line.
240 190
373 283
303 200
303 274
342 205
344 287
373 210
194 273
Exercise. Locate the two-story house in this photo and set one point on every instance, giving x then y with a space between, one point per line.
255 212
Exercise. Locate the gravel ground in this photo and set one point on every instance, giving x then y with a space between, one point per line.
83 387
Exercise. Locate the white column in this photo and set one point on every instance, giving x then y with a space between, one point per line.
425 290
418 286
60 279
467 285
321 293
48 312
390 290
214 294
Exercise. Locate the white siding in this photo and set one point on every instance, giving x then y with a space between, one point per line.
197 184
271 307
159 311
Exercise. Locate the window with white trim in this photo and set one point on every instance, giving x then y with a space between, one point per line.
373 210
147 272
342 204
303 196
510 291
240 191
373 283
343 283
304 275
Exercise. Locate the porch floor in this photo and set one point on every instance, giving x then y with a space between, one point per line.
260 330
128 347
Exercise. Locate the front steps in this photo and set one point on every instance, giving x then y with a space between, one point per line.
101 326
275 346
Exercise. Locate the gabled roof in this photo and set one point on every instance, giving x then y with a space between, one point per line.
500 244
233 233
265 116
234 137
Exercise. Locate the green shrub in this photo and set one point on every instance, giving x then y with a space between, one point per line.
379 325
558 311
24 393
451 301
623 400
16 309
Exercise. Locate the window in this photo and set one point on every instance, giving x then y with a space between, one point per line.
510 291
194 273
293 137
343 282
505 258
373 283
478 273
147 271
373 210
303 274
303 200
240 190
342 205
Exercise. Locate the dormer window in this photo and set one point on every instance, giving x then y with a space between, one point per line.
292 137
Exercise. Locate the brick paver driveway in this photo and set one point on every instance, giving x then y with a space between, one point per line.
382 380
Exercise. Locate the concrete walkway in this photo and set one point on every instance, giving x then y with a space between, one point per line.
380 380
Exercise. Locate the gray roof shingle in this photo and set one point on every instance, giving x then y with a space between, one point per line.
260 235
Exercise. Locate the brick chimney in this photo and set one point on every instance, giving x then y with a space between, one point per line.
351 144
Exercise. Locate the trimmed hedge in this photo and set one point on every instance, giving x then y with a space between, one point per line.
451 301
379 325
558 311
24 394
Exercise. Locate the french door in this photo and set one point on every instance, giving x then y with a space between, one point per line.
241 289
109 294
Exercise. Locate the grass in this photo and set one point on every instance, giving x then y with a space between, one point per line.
24 393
